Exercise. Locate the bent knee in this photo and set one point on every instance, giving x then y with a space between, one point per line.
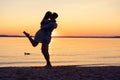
35 44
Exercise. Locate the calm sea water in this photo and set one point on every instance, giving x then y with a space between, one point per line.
63 51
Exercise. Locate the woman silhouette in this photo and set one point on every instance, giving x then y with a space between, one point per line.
43 35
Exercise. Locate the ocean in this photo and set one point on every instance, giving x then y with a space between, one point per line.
63 51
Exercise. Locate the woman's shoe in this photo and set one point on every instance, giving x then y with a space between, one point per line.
26 34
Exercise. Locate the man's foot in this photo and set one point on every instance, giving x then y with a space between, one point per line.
48 66
26 34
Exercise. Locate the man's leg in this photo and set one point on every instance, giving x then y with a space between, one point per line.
45 46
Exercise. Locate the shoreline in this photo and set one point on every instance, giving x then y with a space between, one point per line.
70 72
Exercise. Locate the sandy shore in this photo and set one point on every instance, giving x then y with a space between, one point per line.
60 73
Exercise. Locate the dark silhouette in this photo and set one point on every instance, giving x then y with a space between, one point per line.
26 53
43 35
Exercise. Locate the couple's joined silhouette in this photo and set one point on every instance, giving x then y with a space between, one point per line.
43 35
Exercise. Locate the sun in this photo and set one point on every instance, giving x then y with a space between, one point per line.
54 33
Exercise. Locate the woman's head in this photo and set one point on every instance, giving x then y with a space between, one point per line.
47 15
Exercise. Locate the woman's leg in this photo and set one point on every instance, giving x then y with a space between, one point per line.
34 44
45 48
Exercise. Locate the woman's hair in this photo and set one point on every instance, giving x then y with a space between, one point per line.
47 15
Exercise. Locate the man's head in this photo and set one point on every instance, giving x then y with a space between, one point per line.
54 16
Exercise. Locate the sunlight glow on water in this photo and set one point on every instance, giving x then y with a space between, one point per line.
63 51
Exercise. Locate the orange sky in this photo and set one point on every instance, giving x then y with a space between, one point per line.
76 17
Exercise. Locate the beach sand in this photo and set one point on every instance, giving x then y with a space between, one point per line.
74 72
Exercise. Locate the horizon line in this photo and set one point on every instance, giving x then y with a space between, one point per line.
65 36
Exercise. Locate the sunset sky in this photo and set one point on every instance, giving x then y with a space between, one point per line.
76 17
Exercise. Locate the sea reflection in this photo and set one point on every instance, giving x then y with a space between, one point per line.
63 51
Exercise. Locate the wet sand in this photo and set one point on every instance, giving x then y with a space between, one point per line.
60 73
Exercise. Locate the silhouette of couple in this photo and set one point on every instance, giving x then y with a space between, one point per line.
43 35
